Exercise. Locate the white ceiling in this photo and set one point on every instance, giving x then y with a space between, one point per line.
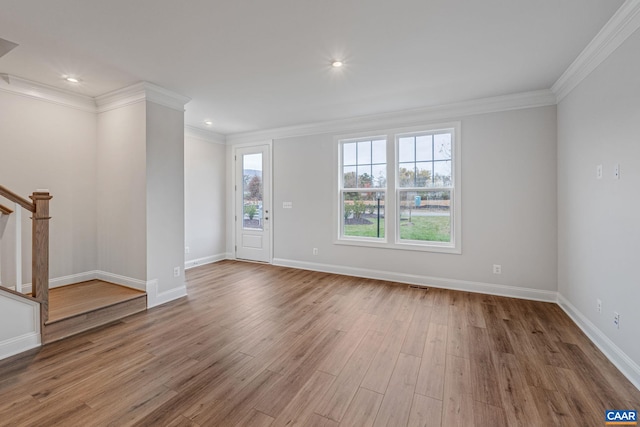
251 64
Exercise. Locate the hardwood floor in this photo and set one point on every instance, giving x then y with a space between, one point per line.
68 301
83 306
258 345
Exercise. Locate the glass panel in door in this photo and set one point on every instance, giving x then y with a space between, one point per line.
252 191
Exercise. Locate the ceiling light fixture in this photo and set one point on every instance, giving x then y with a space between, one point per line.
208 122
72 79
336 64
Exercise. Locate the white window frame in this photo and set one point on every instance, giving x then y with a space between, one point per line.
391 238
341 190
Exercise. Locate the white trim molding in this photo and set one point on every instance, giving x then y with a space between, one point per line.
118 98
139 92
425 281
203 261
42 92
155 298
140 285
622 24
17 345
619 358
195 132
65 280
418 116
129 282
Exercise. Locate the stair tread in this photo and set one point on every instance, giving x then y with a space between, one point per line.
80 298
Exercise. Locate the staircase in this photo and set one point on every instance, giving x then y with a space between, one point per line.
83 306
66 310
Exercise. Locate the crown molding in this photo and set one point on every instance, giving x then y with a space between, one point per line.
162 96
121 97
204 134
622 24
143 91
403 118
34 90
116 99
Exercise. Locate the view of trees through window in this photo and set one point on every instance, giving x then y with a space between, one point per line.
364 166
424 161
252 190
421 207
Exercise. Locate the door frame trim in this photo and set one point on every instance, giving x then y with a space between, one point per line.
234 198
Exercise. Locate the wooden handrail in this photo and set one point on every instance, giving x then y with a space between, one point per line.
39 246
5 210
19 294
8 194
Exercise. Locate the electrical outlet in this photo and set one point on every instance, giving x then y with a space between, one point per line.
599 306
599 172
616 320
176 272
315 251
616 171
497 269
187 250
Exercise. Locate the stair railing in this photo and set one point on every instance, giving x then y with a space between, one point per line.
39 207
5 212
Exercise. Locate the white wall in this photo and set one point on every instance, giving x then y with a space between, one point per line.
44 145
122 181
508 209
205 187
165 195
599 229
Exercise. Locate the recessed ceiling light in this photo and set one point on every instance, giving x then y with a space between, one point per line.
208 122
336 64
71 79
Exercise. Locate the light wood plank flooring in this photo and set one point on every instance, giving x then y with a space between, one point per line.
67 301
83 306
258 345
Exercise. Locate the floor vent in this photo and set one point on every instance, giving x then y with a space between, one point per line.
424 288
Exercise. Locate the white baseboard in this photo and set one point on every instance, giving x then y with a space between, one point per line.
413 279
92 275
13 346
151 287
202 261
129 282
619 358
64 280
155 298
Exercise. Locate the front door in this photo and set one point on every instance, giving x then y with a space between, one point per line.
253 230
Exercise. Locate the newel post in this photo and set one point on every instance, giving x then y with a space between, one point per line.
40 252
